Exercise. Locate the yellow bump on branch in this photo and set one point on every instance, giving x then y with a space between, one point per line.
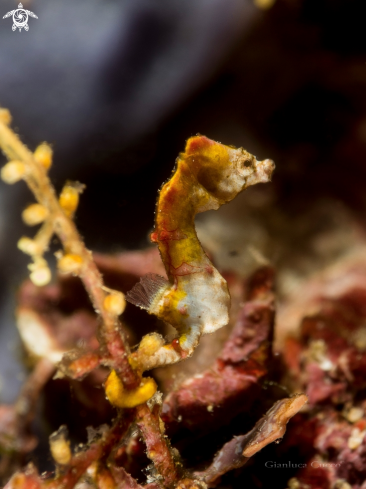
28 246
61 453
150 344
70 263
34 214
40 273
115 303
69 199
122 398
60 447
12 172
43 155
5 116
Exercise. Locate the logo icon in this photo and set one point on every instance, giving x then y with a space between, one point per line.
20 18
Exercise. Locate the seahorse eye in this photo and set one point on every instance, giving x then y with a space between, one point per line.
245 163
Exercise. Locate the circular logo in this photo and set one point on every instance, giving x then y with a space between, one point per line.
20 18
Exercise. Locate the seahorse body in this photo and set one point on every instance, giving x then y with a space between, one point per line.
196 299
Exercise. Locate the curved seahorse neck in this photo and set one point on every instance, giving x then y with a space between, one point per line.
175 232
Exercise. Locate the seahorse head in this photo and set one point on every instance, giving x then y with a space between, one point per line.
222 170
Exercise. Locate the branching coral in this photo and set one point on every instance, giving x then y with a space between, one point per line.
195 301
56 214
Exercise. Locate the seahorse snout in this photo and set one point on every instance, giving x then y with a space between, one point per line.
262 174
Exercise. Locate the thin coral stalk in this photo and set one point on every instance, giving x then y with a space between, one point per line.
268 429
125 480
16 438
158 450
29 394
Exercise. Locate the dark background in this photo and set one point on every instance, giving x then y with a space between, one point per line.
118 86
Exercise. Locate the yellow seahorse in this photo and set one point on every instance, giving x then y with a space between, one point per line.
195 300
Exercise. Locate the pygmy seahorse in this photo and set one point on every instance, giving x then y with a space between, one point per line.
195 300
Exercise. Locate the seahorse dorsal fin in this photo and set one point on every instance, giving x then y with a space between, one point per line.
144 293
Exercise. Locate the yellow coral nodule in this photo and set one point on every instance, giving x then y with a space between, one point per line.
60 450
43 155
28 246
69 197
34 214
150 344
40 273
12 172
5 116
70 263
115 303
120 397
